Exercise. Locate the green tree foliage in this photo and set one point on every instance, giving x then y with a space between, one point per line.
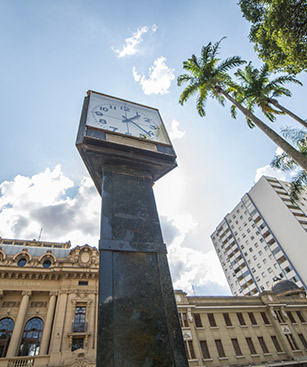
285 163
279 31
208 76
256 89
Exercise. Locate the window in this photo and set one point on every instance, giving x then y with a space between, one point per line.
300 316
291 317
279 316
183 319
79 324
263 345
265 318
236 347
251 345
219 348
241 318
189 349
252 318
303 340
227 319
197 320
77 343
46 264
22 262
6 330
291 342
31 338
204 349
83 282
211 319
276 343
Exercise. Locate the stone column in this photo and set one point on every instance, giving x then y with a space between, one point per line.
48 324
59 321
91 319
19 324
280 335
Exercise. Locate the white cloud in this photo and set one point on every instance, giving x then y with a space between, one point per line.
175 133
131 43
269 171
274 172
154 28
67 211
190 267
159 78
28 204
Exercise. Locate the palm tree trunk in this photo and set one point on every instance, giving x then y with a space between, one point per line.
291 114
299 158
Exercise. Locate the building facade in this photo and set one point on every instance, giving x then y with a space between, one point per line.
48 314
48 299
264 236
266 330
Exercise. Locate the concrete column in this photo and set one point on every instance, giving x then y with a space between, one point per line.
48 324
19 324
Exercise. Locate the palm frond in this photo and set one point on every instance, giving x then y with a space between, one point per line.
188 92
183 79
230 63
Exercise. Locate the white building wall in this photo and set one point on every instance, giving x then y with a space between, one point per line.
289 232
252 248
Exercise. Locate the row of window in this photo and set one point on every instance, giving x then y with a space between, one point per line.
212 322
31 338
237 349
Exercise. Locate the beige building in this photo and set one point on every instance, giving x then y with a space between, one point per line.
265 330
48 298
48 314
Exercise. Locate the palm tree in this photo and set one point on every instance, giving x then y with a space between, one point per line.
257 89
285 163
208 75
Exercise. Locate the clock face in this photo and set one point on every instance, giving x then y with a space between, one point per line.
122 117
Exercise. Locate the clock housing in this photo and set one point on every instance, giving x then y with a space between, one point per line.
118 133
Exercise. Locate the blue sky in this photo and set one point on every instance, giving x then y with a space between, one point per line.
52 52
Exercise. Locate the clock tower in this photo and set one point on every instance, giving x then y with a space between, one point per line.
125 148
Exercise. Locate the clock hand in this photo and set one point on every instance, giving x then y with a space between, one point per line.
130 118
134 123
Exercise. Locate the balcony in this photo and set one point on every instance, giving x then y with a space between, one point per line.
28 361
79 327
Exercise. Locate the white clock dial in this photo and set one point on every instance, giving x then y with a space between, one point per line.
122 117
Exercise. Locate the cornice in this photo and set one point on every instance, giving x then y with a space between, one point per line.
48 274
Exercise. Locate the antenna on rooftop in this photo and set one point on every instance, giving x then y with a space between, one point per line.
40 233
194 293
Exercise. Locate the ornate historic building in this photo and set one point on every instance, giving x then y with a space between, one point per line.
48 314
48 298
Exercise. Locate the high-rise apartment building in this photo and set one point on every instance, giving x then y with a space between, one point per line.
265 236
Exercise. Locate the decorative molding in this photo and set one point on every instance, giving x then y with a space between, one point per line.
38 304
11 304
1 293
26 293
81 300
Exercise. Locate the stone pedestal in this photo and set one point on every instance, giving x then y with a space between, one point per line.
138 324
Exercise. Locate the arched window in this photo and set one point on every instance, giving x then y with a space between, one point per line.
31 337
6 330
